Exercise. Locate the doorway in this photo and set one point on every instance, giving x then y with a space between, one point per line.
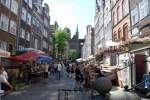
140 64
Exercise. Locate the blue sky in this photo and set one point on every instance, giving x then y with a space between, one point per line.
72 12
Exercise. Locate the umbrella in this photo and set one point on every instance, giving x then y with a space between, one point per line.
26 56
29 50
44 59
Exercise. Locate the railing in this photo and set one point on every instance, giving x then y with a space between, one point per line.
75 94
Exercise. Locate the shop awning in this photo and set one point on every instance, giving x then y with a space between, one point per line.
28 56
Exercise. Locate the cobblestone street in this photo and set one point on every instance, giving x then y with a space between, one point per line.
41 91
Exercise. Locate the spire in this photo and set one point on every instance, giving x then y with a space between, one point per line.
77 31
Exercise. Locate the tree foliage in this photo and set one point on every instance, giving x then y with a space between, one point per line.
61 38
73 54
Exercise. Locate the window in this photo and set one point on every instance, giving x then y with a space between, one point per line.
6 3
125 7
44 44
28 36
115 36
14 7
36 43
119 34
134 15
13 27
125 33
26 1
22 35
3 45
45 33
118 14
114 18
24 13
33 20
30 3
4 22
21 47
29 19
143 7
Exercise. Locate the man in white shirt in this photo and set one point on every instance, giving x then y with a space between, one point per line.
3 80
59 68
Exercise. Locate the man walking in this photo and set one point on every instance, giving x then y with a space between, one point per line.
59 68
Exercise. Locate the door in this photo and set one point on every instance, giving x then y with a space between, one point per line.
140 64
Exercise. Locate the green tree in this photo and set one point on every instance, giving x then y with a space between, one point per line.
73 54
61 38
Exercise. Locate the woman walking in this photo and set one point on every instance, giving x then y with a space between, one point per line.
78 77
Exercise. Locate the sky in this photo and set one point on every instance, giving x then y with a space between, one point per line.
69 13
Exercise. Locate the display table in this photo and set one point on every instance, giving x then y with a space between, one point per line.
37 76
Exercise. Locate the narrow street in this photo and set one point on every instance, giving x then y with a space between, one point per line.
41 90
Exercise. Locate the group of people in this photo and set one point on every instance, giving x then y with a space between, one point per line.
57 69
30 70
83 73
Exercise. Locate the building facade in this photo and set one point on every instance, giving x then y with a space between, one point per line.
34 26
8 24
140 31
99 25
88 45
121 35
25 24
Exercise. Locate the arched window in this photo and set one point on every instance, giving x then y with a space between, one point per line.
125 32
119 34
114 18
118 14
115 36
125 8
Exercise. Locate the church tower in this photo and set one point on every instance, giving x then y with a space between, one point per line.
77 32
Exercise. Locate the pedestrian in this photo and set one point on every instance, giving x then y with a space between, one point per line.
46 72
3 79
3 85
68 71
59 68
55 67
72 71
78 77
